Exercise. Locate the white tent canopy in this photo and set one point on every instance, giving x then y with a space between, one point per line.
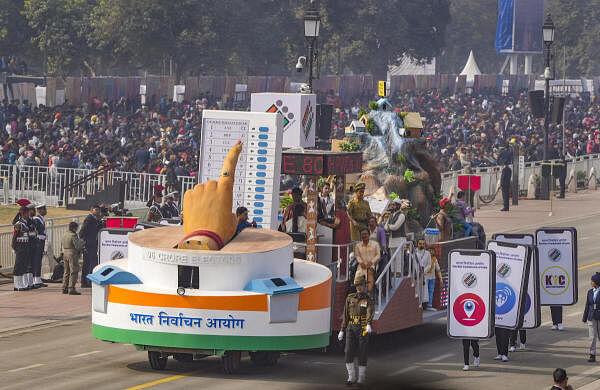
408 66
471 69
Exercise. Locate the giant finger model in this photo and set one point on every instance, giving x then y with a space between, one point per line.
196 290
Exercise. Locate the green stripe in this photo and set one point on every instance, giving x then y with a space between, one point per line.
192 341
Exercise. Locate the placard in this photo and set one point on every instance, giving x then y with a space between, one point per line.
533 313
471 280
512 276
558 265
112 243
257 175
297 110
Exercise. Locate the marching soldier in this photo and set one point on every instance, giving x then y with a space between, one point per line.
154 213
358 314
39 223
28 277
21 245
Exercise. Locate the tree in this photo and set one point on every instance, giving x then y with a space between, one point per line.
60 30
14 32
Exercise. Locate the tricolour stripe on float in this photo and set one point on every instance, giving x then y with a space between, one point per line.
311 298
194 341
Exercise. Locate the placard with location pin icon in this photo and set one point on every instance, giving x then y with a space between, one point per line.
512 278
471 280
533 314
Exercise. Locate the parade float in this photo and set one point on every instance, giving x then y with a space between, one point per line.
192 291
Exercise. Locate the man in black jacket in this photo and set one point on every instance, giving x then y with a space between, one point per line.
560 380
89 234
505 184
591 314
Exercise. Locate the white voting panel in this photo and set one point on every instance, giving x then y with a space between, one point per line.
533 316
112 243
512 275
257 175
471 280
297 112
557 249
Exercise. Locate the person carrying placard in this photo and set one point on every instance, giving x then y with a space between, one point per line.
591 314
474 343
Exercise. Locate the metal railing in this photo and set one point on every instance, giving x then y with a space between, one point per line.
55 230
390 277
490 176
343 269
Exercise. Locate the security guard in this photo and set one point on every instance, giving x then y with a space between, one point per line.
21 245
154 213
358 314
169 210
39 223
28 277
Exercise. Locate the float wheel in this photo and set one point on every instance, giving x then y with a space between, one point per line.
157 361
183 357
231 361
264 358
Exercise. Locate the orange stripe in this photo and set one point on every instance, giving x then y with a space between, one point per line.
316 297
139 298
312 298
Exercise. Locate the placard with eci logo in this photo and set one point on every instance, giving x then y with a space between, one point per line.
471 279
533 314
512 276
557 249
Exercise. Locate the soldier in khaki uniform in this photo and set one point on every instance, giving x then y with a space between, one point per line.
358 314
72 246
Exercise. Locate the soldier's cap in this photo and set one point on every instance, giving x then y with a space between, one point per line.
170 195
40 206
360 186
23 202
360 281
30 206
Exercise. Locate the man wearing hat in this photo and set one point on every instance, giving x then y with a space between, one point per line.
169 210
39 224
591 314
22 247
154 213
359 211
356 325
28 277
394 223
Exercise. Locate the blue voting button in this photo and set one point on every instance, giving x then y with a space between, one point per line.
259 204
261 159
259 226
257 219
260 189
261 174
261 166
258 212
260 181
259 196
263 129
263 136
263 144
262 151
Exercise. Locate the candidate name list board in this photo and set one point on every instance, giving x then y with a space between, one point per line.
256 182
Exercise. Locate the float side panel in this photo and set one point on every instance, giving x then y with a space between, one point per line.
241 343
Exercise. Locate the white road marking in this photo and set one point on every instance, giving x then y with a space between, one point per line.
441 357
25 368
577 313
402 371
84 354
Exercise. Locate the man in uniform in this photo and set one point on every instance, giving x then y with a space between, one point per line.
356 323
89 234
505 185
155 214
39 223
359 211
169 210
20 244
32 245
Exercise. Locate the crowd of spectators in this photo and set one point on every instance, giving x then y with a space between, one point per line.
460 130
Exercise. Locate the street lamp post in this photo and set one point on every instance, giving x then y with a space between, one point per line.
312 25
548 36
